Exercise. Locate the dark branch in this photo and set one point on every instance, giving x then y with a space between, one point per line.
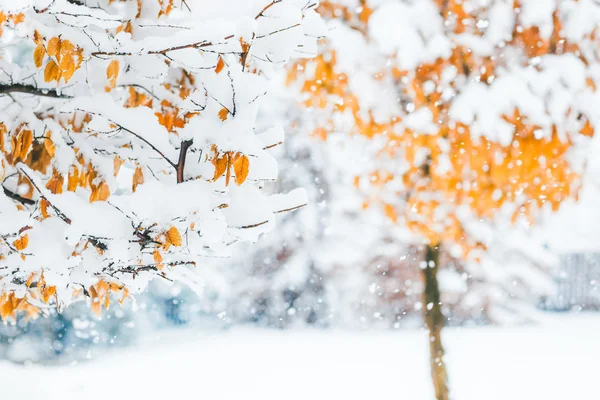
32 90
185 145
18 198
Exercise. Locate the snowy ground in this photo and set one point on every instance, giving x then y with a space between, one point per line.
559 360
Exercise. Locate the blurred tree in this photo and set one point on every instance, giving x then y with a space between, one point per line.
474 110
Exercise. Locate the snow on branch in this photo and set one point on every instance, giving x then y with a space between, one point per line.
127 140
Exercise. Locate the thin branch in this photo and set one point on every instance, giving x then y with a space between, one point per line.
60 214
289 209
171 163
196 45
262 12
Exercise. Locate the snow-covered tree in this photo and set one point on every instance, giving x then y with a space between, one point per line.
127 139
474 111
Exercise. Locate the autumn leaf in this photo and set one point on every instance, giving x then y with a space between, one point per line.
220 65
47 292
390 212
157 256
50 147
21 243
241 167
173 237
588 129
117 163
100 193
223 114
220 167
38 55
51 71
112 72
44 208
55 184
138 178
37 38
158 259
53 47
73 179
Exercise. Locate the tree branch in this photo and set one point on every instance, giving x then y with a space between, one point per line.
60 214
197 45
18 198
185 145
32 90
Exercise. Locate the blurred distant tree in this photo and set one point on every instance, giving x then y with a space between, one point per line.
474 110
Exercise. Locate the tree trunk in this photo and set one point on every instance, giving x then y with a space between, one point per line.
434 319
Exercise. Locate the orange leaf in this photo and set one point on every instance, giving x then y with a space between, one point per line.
220 167
37 37
220 65
173 237
390 212
51 72
44 208
55 184
53 47
117 163
241 167
47 292
112 72
138 178
73 179
223 114
38 55
50 147
157 256
588 129
100 193
21 243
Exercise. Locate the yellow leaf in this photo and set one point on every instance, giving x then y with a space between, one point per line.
241 167
53 47
21 243
24 141
173 237
50 147
157 256
220 167
117 163
112 72
390 212
55 184
38 55
51 72
588 129
223 114
44 208
37 37
138 178
47 292
220 65
100 193
30 279
73 179
67 67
